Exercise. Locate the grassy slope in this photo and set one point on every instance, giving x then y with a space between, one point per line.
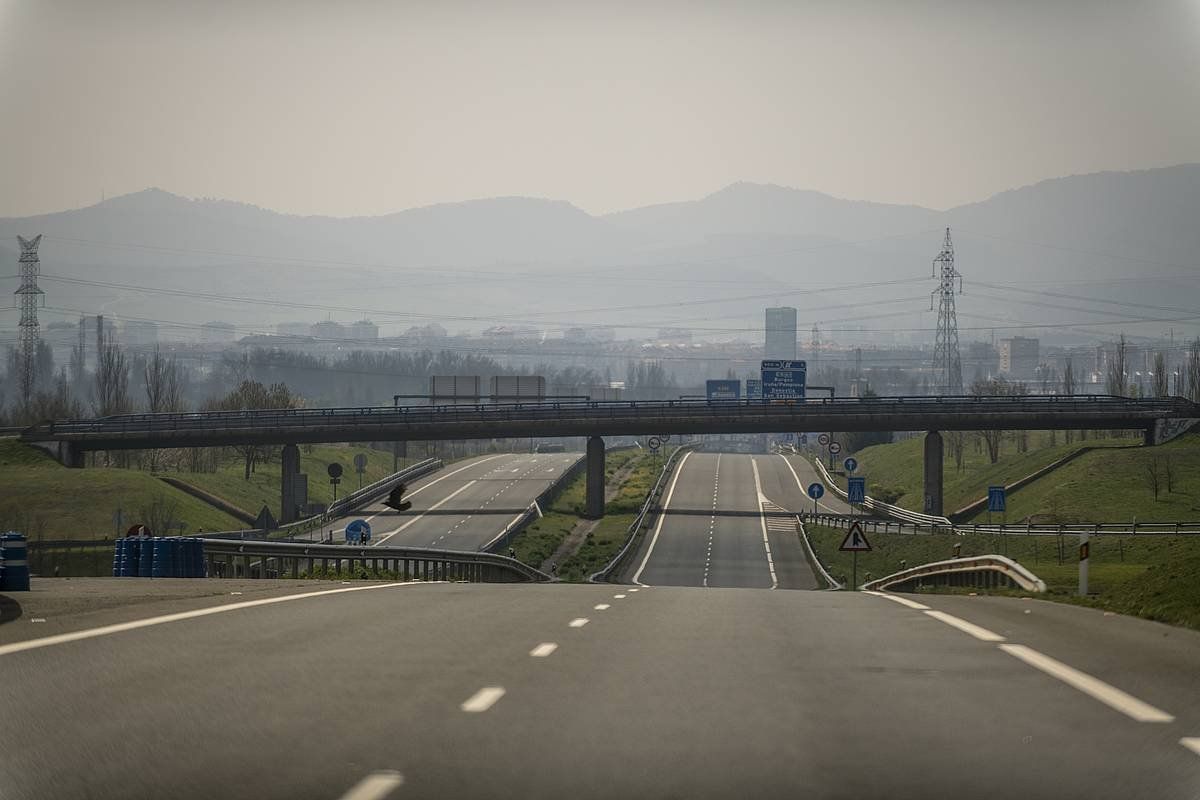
541 538
263 488
1156 577
898 468
39 493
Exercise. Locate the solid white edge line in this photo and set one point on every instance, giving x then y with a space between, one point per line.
544 649
662 515
375 786
482 700
803 488
1191 743
762 518
578 622
901 600
107 630
983 634
433 507
1111 696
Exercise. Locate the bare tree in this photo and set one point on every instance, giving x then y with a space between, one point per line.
252 395
957 440
161 516
1169 473
112 379
1192 371
163 390
1153 475
1117 367
1160 375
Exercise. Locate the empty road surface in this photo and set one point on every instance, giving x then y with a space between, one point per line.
510 691
728 521
464 505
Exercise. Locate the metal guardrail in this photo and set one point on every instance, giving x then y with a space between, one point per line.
224 557
973 571
896 512
515 526
635 527
872 525
811 554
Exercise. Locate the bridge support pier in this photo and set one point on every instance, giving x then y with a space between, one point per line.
594 505
933 473
289 467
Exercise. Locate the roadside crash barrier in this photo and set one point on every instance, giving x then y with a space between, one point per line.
14 566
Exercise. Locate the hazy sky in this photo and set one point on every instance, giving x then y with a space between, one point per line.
362 107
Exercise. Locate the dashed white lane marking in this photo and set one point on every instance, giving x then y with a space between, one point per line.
433 507
420 489
662 515
631 590
544 649
712 524
602 606
1111 696
107 630
375 786
901 600
482 700
618 597
1191 743
578 622
983 634
762 518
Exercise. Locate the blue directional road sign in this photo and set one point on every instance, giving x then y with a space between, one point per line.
358 532
783 380
723 390
856 490
997 501
851 464
816 491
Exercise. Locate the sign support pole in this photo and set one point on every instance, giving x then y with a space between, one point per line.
854 583
1083 564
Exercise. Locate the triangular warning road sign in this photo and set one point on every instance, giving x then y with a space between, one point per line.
855 540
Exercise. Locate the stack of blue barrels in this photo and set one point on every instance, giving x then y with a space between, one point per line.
159 557
14 566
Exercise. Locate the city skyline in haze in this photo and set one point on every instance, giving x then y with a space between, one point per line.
370 108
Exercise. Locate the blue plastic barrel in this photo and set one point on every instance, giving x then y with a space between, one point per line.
117 557
200 567
15 577
145 557
189 549
134 569
178 558
162 558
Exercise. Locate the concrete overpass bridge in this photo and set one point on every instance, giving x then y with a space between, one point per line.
1158 418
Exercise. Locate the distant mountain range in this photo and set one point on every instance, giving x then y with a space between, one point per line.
1127 238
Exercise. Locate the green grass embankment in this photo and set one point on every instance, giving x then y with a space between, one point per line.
44 499
541 538
1103 485
1149 576
263 488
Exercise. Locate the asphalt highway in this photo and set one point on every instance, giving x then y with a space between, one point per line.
464 505
368 691
728 521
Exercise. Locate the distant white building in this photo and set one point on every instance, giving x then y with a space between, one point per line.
294 329
364 329
329 330
1019 357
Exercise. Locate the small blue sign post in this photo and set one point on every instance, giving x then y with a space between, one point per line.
816 491
358 532
856 490
851 463
997 501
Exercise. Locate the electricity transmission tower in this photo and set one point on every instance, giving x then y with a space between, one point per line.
946 363
28 296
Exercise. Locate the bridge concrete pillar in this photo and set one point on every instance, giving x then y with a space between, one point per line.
594 506
289 467
933 473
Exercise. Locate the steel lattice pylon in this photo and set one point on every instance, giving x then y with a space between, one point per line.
946 363
28 296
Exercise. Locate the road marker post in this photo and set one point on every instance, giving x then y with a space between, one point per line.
1084 549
